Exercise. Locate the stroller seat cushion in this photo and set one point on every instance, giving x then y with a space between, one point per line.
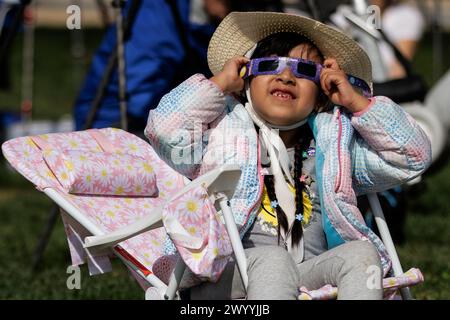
102 173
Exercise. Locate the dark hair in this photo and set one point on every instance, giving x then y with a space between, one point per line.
305 136
281 44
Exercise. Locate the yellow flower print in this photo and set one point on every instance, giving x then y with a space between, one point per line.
197 255
50 174
64 176
133 147
110 214
73 143
47 152
268 215
119 190
191 206
69 165
147 167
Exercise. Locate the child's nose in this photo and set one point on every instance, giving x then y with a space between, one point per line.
286 76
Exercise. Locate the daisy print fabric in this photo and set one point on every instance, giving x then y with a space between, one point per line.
102 173
199 235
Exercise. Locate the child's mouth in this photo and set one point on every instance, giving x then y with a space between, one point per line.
282 95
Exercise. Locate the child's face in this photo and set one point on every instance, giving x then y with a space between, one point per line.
283 99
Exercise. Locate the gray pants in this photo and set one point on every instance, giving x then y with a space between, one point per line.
273 274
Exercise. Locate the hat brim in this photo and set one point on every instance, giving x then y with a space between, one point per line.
240 31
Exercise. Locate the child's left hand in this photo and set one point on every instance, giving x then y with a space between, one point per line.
336 86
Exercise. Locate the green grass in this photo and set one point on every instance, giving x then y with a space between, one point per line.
58 77
23 210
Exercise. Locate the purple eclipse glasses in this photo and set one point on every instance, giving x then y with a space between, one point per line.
304 69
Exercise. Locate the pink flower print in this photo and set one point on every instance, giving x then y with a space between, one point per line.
84 183
103 176
169 184
132 148
82 162
63 176
189 208
27 151
131 216
120 184
73 144
110 217
144 168
141 183
129 168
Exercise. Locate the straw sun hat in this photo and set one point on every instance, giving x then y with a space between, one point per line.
240 31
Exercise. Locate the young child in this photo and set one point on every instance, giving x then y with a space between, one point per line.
281 104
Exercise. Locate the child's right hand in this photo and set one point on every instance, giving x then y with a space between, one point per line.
228 79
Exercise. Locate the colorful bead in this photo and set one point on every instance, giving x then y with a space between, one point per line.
311 152
274 204
299 217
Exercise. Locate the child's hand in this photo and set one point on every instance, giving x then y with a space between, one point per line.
228 79
336 86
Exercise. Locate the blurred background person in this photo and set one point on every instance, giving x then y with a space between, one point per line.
403 24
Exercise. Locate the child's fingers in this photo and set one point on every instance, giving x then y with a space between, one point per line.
331 63
325 84
330 79
240 61
235 63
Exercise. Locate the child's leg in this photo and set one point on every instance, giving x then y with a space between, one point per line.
350 267
272 275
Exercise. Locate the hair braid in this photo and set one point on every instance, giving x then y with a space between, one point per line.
281 216
300 147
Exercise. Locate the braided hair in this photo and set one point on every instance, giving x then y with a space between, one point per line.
305 136
281 44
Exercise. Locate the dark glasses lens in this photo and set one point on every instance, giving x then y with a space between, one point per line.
306 69
268 65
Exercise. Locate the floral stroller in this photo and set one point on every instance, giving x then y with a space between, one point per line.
117 197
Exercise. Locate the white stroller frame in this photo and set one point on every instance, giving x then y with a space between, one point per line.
220 184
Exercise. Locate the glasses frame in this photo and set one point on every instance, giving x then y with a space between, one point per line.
252 69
